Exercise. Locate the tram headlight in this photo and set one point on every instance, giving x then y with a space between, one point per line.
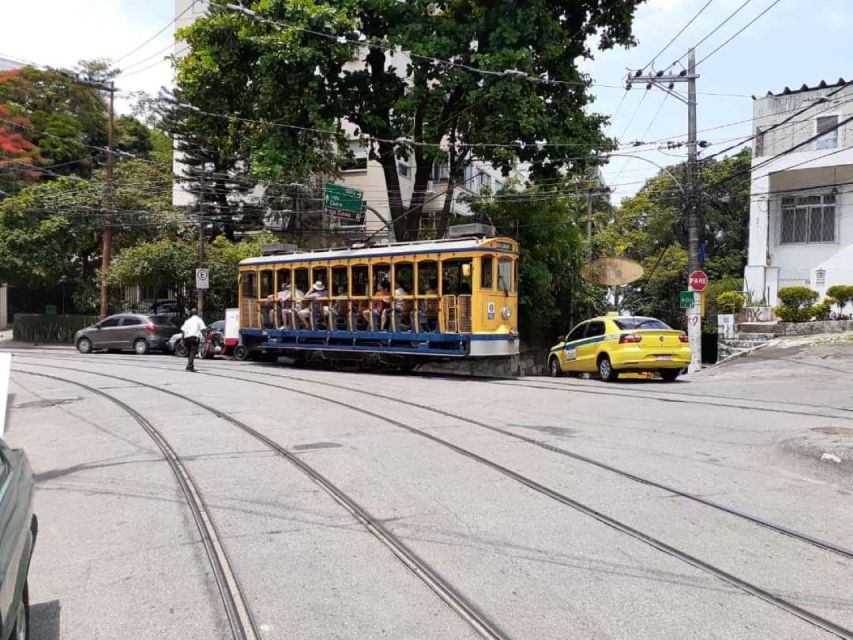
506 313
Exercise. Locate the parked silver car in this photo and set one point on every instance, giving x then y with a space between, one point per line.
127 331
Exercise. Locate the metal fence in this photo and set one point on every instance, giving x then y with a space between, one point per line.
48 329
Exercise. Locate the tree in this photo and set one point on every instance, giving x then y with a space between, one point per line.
65 119
18 156
650 227
165 263
303 74
50 231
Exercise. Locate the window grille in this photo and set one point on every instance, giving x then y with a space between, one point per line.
808 218
759 141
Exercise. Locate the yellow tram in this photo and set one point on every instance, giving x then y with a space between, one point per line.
399 303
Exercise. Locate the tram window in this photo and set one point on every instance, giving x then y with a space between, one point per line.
404 277
456 277
427 277
283 278
487 272
300 277
340 282
248 284
381 275
506 279
320 274
360 280
266 283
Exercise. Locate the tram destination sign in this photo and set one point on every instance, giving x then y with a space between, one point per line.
343 202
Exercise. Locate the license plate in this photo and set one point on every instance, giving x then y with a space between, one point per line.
667 357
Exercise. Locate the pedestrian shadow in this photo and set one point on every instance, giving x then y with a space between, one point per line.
44 620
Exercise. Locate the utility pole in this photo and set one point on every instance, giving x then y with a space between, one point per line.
108 200
666 82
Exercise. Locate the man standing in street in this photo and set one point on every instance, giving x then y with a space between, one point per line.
192 328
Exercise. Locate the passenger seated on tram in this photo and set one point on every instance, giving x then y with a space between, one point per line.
284 303
379 311
314 307
402 308
267 308
337 309
428 309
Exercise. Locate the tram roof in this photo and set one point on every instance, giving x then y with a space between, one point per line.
396 249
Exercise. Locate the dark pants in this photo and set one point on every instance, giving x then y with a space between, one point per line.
192 349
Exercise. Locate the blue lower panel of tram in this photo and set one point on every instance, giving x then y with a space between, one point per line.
446 345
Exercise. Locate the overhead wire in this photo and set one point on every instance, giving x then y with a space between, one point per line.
152 38
684 28
739 31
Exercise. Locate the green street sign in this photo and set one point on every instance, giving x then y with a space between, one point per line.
685 299
341 198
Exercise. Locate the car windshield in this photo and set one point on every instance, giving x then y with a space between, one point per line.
163 321
631 324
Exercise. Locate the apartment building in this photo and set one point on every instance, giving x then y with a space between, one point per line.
801 204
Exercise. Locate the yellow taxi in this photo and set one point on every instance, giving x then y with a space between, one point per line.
614 344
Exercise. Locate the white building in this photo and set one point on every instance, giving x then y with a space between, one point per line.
801 209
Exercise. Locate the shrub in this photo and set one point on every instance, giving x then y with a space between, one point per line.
797 297
730 301
821 311
843 294
793 314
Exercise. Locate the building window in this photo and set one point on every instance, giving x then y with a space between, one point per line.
358 159
827 129
808 219
759 141
485 181
440 171
403 169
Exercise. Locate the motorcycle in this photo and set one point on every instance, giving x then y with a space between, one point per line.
211 344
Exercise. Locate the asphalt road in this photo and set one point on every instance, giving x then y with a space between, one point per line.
404 506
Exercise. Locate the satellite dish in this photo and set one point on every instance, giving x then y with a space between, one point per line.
612 272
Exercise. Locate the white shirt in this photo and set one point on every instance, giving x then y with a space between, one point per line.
192 327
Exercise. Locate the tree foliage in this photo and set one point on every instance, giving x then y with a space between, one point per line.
50 232
552 296
650 227
304 73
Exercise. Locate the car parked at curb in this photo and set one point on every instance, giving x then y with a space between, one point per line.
139 332
614 344
18 532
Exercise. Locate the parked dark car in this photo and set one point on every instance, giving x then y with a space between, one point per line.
127 331
18 531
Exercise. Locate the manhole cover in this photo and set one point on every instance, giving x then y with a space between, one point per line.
44 404
844 432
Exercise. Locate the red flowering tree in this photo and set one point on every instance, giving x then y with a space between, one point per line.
18 156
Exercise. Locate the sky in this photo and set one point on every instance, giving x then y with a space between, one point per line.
795 42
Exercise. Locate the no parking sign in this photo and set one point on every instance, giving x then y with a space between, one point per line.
202 279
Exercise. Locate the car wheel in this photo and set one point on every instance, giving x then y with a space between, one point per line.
669 375
22 620
181 349
84 345
140 346
606 370
554 367
241 352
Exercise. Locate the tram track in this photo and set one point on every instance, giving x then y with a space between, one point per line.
237 611
485 627
763 522
759 592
